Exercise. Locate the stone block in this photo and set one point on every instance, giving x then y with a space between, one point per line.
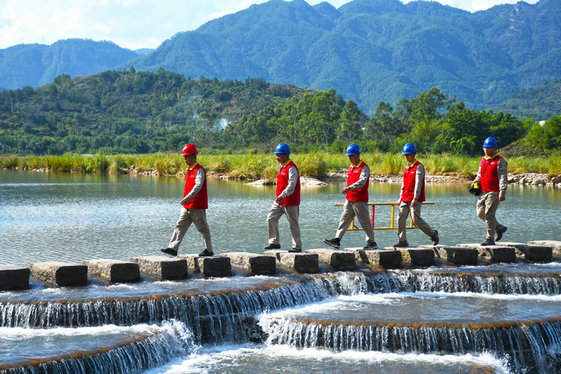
215 266
455 255
416 256
554 244
492 253
380 258
252 263
161 267
13 278
63 274
337 260
532 252
113 271
298 262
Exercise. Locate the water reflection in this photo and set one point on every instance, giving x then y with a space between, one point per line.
74 217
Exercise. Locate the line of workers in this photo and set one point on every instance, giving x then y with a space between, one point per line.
491 176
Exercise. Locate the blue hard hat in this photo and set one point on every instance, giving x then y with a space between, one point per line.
353 149
409 149
282 148
490 142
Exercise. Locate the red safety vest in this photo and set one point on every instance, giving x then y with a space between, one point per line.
409 184
490 180
200 201
353 175
282 183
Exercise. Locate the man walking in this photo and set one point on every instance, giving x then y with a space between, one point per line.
492 175
356 204
195 203
287 201
412 197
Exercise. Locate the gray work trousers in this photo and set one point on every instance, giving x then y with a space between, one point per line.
487 205
292 213
186 217
404 209
360 210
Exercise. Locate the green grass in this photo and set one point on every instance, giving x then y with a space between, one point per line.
257 166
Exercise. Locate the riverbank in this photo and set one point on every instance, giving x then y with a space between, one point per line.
323 166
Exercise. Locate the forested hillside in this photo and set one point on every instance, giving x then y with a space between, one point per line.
140 112
128 111
38 64
376 50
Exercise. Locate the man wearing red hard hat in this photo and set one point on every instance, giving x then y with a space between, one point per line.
195 203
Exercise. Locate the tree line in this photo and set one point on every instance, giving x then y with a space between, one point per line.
144 112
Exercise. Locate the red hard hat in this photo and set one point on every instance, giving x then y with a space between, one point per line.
189 149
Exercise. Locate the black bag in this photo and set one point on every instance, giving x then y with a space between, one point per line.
475 187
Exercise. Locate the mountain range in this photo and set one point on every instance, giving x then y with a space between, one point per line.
368 50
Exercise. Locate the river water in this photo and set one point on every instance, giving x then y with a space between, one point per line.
66 217
46 217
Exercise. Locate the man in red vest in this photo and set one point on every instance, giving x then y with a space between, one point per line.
412 196
287 201
492 175
195 203
358 178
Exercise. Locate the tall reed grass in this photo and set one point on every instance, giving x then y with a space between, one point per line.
265 166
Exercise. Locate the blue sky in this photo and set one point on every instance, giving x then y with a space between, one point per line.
132 23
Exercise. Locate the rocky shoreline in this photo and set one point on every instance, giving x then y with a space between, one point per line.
523 179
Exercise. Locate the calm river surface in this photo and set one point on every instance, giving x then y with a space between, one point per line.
68 217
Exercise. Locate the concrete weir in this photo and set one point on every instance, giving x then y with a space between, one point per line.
297 262
60 273
386 259
336 260
416 256
554 244
162 268
492 253
216 266
454 255
13 277
532 252
251 263
113 271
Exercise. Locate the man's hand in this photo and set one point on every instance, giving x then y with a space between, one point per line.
183 201
502 196
413 203
279 199
345 190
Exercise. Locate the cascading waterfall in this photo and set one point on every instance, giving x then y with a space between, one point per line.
228 316
534 346
170 340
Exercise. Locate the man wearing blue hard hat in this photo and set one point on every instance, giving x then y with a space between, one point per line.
492 176
287 201
356 204
411 197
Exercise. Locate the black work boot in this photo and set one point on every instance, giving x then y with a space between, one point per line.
335 242
401 244
295 250
370 245
500 233
488 242
206 253
272 246
169 251
434 238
